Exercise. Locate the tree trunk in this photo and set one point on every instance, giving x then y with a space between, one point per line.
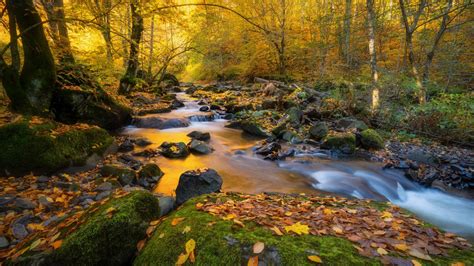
106 33
373 54
347 33
55 12
152 44
128 81
34 87
16 61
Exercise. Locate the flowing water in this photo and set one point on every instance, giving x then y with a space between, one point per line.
243 171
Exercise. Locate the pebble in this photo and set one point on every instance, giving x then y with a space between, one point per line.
26 204
106 186
4 242
102 195
19 230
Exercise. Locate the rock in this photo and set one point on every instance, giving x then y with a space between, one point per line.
202 118
200 147
106 237
130 161
160 123
102 195
25 204
351 123
19 231
174 150
141 142
166 205
175 104
125 176
319 131
46 201
216 107
27 149
126 146
204 109
195 183
344 142
191 90
106 186
422 157
42 179
370 139
253 129
6 199
295 116
4 243
269 104
290 136
202 102
198 135
269 148
151 171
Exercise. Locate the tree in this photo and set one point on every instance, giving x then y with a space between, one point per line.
128 80
31 89
346 50
373 54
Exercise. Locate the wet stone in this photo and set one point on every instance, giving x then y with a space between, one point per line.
23 203
19 230
4 243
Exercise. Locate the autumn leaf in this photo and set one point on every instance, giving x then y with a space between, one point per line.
186 229
239 223
315 258
110 212
258 247
327 211
253 261
182 259
190 245
298 228
457 264
418 254
337 229
386 215
57 244
36 244
229 217
161 235
155 222
176 221
199 205
416 263
141 244
276 230
401 247
382 251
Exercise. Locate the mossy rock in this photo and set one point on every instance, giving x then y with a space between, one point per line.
319 131
125 175
253 128
222 242
38 148
150 170
104 237
370 139
344 142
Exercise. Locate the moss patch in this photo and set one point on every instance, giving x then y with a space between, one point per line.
41 148
344 142
370 139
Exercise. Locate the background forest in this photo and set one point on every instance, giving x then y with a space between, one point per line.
403 52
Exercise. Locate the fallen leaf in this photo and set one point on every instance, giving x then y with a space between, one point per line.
155 222
416 263
418 254
258 247
161 235
337 229
190 245
298 228
253 261
276 230
327 211
186 229
199 205
141 244
382 251
182 259
176 221
386 215
229 217
239 223
110 212
315 258
457 264
401 247
35 244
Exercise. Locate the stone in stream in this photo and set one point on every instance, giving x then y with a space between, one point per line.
126 146
174 150
142 142
204 109
343 142
175 104
198 182
160 123
202 136
200 147
253 129
150 171
268 149
19 231
370 139
125 176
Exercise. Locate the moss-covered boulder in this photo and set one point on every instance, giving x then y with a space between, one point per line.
107 236
370 139
218 226
44 147
253 128
174 149
343 142
125 176
319 131
150 170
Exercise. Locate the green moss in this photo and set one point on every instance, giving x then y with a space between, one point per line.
109 241
370 139
28 148
344 142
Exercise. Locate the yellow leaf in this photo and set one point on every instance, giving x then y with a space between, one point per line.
298 228
155 222
457 264
229 217
288 213
35 244
192 258
182 259
386 215
327 211
402 247
199 205
110 210
277 231
190 246
161 235
258 247
352 211
337 229
57 244
315 258
176 221
239 223
382 251
416 263
253 261
186 229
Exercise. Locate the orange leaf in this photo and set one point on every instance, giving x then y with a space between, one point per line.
258 247
176 221
57 244
141 244
253 261
277 231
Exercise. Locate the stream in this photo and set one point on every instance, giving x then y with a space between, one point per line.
243 171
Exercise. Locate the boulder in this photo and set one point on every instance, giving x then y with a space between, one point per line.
351 123
151 171
204 109
200 147
124 175
194 183
290 136
253 129
343 142
160 123
126 146
37 148
295 116
268 149
4 243
319 131
141 142
175 104
108 236
370 139
198 135
174 150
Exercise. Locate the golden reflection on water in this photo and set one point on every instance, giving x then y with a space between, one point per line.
241 173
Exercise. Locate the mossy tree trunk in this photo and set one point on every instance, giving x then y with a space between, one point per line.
30 91
128 81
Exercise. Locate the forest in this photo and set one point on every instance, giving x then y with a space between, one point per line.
236 132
